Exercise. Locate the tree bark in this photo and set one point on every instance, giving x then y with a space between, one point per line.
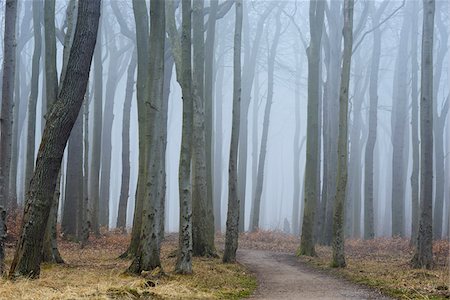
423 256
232 231
338 259
9 57
32 101
316 15
184 258
60 121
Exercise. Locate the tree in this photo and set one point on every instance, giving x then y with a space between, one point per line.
32 101
232 231
125 185
316 16
341 186
9 56
202 210
147 257
423 256
184 258
369 231
60 121
265 133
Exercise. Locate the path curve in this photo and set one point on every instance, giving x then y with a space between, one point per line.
282 276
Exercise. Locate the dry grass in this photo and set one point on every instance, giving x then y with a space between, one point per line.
96 273
382 263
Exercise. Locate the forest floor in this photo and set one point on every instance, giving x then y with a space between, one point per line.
95 272
381 264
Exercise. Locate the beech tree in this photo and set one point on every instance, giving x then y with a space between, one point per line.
232 231
60 121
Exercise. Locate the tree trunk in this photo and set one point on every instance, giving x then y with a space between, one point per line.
338 259
94 175
265 132
248 74
60 121
142 32
423 256
316 15
202 214
209 87
232 231
218 161
184 258
148 255
414 125
32 102
399 117
125 185
369 228
3 231
9 56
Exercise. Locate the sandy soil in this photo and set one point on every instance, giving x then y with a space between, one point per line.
282 276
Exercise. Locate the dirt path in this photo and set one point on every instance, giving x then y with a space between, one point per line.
282 276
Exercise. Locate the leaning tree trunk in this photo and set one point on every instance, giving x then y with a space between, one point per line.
341 186
9 56
423 256
316 15
125 185
184 258
60 121
32 101
265 133
232 231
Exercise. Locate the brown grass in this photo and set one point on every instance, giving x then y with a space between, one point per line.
95 273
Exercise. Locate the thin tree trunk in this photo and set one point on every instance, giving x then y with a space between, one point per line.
32 102
265 133
338 259
125 185
218 186
232 231
60 121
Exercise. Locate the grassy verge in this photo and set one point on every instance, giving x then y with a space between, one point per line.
95 273
384 264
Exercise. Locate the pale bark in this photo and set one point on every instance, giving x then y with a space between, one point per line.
338 259
423 256
57 130
265 133
232 231
125 184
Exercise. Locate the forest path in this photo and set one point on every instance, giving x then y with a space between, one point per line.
282 276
